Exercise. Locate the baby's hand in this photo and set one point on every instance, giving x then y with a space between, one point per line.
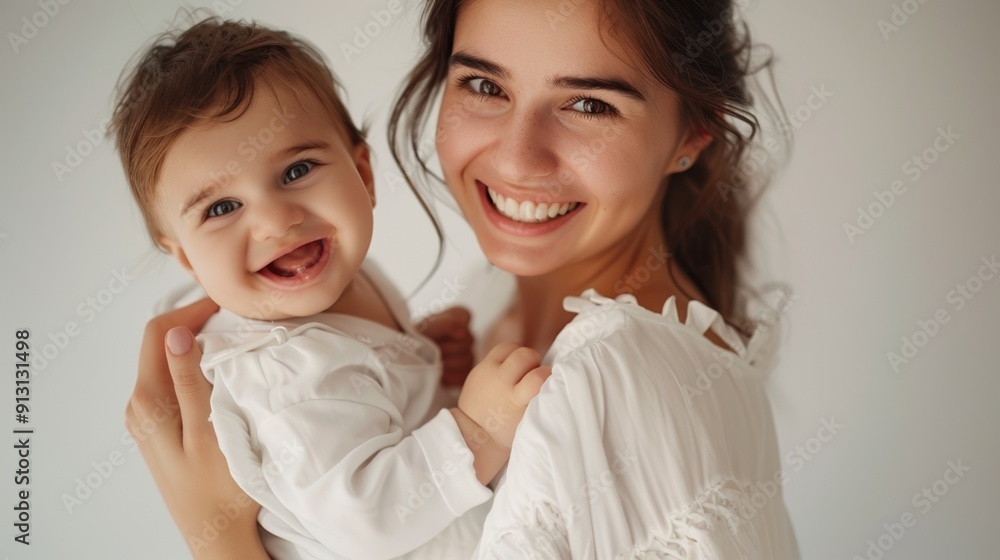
450 331
499 389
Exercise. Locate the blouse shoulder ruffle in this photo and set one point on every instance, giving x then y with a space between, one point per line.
757 351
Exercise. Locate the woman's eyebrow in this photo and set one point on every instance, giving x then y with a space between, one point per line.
460 58
476 63
609 84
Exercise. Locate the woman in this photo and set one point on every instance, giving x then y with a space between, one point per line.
593 149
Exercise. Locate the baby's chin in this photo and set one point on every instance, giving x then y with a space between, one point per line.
274 307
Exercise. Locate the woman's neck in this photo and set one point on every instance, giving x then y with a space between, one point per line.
640 265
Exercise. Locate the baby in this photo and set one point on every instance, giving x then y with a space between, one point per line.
326 402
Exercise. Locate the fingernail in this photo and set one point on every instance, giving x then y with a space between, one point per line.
178 341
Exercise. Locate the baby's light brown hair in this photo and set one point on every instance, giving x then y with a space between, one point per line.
211 70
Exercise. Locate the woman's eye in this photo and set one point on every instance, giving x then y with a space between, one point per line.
297 171
483 86
222 208
591 106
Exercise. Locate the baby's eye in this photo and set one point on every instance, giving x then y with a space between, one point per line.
485 87
591 106
297 171
222 208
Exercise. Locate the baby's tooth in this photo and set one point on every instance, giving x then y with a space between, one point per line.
563 209
553 210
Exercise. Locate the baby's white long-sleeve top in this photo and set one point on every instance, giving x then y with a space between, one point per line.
336 426
648 441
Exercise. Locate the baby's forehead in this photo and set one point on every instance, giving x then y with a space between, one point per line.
222 144
281 103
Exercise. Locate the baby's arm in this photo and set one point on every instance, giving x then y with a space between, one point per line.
336 457
493 401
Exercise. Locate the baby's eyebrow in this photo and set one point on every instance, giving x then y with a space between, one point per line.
196 198
201 194
305 146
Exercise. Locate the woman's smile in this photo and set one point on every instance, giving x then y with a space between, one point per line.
528 211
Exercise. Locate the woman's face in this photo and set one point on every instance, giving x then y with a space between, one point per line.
554 145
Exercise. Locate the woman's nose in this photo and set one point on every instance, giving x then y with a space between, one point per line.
524 150
274 217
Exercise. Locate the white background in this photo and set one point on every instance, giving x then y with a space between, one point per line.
62 240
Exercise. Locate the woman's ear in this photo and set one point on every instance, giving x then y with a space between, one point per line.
174 248
362 161
688 151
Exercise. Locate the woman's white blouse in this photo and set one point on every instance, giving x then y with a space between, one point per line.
648 441
335 425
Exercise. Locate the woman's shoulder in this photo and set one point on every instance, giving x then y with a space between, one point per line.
621 329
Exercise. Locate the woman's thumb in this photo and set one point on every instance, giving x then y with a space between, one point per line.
190 385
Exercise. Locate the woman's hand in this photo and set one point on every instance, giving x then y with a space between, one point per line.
450 331
168 418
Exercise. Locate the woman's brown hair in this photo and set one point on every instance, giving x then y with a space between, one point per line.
694 48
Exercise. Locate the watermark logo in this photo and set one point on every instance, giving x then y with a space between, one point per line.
899 17
32 25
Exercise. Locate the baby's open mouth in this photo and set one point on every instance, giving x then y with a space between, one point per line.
297 261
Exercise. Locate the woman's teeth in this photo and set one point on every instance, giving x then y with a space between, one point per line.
527 211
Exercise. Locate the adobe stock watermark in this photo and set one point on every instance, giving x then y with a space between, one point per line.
755 161
416 498
757 496
760 153
818 97
32 25
914 168
87 311
705 41
92 137
249 148
600 482
423 150
635 279
900 16
75 154
723 360
367 32
582 498
923 500
289 452
387 353
437 477
580 160
92 306
223 7
103 468
959 297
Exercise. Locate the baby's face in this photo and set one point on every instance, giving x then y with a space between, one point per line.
270 212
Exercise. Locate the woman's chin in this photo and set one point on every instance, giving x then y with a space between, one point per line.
519 261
